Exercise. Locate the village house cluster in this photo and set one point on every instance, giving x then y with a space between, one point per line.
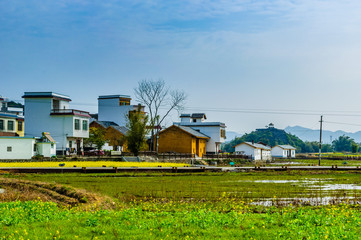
47 126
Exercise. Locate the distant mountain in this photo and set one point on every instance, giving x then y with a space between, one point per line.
307 134
232 135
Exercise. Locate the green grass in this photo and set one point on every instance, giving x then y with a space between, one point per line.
176 220
188 206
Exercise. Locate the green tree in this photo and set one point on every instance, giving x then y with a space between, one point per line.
270 136
354 147
136 136
96 137
326 148
343 144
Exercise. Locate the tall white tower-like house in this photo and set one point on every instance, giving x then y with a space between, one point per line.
50 112
115 108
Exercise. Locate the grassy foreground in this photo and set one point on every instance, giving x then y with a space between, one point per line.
178 220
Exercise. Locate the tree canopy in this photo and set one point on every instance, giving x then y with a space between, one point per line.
345 144
136 135
269 136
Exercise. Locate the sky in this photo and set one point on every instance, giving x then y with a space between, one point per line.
245 63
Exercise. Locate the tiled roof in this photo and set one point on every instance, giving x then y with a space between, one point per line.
199 115
192 131
121 129
286 147
106 124
256 145
200 124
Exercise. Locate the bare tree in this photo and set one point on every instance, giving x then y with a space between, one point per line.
155 95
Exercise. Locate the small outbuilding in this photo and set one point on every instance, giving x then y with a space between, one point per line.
256 150
26 147
283 151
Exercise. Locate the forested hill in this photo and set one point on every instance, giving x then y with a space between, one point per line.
270 136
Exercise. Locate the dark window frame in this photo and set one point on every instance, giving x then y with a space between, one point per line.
11 123
77 124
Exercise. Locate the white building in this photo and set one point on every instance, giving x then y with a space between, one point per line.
26 147
283 151
115 108
50 112
17 147
215 130
256 150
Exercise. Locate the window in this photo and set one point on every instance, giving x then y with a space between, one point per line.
11 125
1 124
10 149
20 125
194 120
70 144
85 125
223 133
34 149
77 124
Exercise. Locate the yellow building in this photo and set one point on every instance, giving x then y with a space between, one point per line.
182 139
11 125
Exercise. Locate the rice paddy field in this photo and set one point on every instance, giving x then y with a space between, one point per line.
245 205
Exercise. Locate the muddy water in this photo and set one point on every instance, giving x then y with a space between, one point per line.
320 192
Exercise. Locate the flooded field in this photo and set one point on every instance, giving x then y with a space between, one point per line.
264 188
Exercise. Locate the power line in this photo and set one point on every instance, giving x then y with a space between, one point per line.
351 124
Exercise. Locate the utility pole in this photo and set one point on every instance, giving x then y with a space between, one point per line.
319 154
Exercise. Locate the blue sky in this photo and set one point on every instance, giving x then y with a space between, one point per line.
227 55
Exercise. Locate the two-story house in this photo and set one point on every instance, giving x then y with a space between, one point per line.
11 125
11 119
216 131
50 112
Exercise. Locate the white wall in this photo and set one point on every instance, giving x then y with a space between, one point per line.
110 110
248 150
21 148
277 152
46 149
280 152
214 132
39 120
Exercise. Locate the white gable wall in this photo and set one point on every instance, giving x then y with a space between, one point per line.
21 148
39 120
248 150
214 132
282 153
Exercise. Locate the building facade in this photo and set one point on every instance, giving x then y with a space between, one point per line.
255 150
11 125
115 108
181 139
283 151
216 131
50 112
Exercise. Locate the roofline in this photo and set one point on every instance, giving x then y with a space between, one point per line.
184 131
284 148
252 146
114 96
215 124
46 95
